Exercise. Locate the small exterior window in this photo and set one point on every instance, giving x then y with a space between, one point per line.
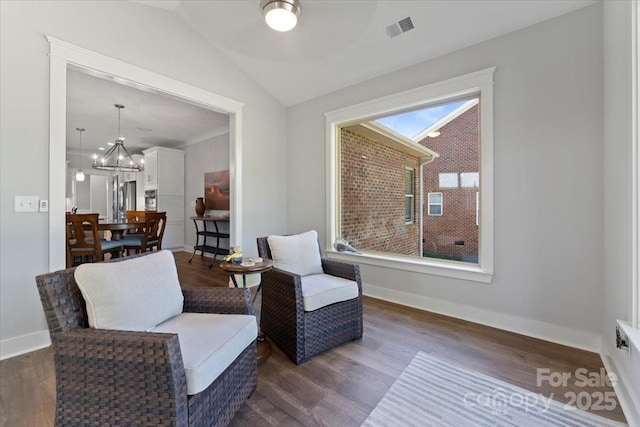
470 180
435 204
448 180
409 179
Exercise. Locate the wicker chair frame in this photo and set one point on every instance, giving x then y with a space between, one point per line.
107 377
300 334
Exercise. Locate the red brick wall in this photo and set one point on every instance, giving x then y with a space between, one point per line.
373 196
458 146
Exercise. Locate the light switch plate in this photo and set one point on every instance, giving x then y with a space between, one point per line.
44 206
25 203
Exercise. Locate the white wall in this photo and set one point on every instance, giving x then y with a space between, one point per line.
616 302
548 180
150 38
206 156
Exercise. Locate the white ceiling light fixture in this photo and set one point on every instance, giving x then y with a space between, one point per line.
117 158
281 15
79 173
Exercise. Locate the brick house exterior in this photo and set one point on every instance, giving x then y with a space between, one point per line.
373 216
373 191
455 233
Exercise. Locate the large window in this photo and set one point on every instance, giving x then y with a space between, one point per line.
443 141
391 174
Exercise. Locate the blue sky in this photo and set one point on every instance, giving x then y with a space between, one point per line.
412 123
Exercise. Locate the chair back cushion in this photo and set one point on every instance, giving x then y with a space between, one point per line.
132 295
298 253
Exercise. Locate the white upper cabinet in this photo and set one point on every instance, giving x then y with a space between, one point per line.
150 169
164 171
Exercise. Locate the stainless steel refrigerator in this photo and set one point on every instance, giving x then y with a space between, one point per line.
124 196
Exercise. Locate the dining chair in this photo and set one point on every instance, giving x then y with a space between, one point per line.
83 241
151 237
136 216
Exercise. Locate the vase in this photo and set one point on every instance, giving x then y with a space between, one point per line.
200 206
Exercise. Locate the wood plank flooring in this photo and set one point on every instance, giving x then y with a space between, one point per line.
340 387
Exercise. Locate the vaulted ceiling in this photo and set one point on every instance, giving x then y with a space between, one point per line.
339 43
335 44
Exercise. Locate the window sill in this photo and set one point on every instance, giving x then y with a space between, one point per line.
633 334
437 268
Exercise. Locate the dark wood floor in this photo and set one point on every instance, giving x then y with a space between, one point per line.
339 387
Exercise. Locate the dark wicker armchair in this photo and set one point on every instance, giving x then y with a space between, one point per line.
303 334
107 377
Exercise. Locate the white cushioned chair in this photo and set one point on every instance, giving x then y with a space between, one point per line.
309 304
133 348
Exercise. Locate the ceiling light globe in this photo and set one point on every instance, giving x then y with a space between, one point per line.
281 15
80 175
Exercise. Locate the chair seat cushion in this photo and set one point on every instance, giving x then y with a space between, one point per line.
131 295
298 253
131 240
209 343
107 245
320 290
136 241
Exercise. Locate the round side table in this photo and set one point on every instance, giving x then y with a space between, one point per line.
232 268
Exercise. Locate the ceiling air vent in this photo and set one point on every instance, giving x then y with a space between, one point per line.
400 27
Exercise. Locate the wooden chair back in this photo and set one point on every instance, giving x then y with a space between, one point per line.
163 220
82 237
136 216
153 231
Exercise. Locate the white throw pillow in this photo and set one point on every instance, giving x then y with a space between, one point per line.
297 254
132 295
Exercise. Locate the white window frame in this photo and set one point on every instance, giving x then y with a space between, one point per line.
632 328
429 204
480 84
635 168
411 195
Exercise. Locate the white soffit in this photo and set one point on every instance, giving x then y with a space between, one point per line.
388 137
446 119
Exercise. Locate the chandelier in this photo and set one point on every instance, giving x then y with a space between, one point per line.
117 158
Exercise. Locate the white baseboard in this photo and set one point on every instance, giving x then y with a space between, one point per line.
533 328
627 398
16 346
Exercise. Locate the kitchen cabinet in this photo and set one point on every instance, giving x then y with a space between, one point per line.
164 172
150 170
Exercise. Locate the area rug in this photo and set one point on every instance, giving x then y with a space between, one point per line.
430 392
